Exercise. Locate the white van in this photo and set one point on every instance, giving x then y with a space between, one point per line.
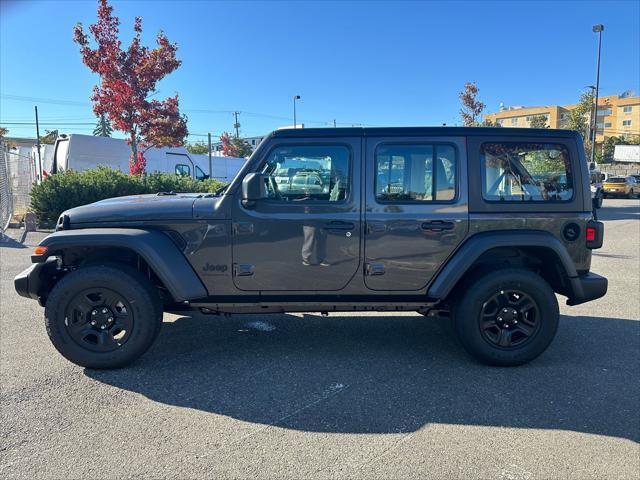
82 152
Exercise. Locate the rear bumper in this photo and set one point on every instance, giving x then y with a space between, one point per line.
587 287
33 282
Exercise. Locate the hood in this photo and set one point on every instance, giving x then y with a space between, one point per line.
136 208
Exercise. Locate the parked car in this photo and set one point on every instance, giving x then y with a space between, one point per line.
621 187
482 226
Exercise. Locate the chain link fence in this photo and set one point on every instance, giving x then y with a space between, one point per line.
17 174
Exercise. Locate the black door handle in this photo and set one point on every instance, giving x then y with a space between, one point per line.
338 225
437 225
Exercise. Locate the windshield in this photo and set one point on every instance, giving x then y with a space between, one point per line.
617 180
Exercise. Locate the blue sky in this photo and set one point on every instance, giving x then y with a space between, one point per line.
371 63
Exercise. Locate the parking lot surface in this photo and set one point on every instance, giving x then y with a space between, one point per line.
346 396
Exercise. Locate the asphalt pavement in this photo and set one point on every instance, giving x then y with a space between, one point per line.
346 396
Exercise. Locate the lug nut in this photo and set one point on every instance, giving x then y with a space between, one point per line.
103 327
515 321
110 319
94 312
499 319
104 310
93 322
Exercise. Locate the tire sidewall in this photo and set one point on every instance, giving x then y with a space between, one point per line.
467 316
125 282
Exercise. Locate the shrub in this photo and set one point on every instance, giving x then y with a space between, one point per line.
69 189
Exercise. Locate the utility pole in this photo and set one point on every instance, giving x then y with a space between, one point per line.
334 123
210 172
596 29
38 146
295 97
237 125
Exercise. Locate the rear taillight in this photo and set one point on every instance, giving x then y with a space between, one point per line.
594 234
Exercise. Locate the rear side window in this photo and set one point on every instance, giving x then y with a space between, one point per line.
526 172
415 173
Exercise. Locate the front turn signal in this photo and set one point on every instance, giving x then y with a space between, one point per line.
40 250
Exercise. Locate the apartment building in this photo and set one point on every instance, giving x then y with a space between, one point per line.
618 115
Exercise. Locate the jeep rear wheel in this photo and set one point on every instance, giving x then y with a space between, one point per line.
506 317
103 316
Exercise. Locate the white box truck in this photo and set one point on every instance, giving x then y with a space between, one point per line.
82 152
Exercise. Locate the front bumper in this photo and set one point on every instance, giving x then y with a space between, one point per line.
34 282
587 287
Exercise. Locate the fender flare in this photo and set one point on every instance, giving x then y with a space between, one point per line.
465 256
156 248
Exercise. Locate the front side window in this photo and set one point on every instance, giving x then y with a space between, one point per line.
200 175
415 173
308 173
515 172
183 170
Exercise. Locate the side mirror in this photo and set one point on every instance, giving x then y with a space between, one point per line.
253 189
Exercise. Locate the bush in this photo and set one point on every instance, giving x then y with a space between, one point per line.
69 189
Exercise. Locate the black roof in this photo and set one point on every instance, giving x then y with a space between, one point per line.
422 131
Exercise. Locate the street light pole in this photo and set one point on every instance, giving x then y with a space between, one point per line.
295 97
596 29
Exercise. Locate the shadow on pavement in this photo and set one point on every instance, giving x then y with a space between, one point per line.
626 212
381 374
8 242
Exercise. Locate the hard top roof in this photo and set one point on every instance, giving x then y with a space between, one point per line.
422 131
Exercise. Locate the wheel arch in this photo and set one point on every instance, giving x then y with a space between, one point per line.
157 250
531 249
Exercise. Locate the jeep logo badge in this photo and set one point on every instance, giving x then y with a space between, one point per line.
214 268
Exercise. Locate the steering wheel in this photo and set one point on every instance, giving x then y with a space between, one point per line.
274 187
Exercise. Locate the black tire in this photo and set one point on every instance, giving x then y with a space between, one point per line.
132 318
599 201
482 292
630 194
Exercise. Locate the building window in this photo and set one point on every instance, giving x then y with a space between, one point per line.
604 112
499 121
563 116
514 121
415 173
626 123
627 109
607 125
520 172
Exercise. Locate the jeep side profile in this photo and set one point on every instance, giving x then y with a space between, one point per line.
483 225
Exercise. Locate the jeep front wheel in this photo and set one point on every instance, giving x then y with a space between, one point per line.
506 317
103 316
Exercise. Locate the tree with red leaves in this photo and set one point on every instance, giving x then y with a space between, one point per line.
472 107
127 78
235 146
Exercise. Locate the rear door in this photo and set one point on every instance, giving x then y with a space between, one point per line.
306 235
416 208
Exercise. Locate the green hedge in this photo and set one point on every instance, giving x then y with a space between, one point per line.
69 189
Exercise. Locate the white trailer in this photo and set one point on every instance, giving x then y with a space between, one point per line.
82 152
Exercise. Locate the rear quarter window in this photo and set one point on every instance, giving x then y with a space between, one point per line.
526 172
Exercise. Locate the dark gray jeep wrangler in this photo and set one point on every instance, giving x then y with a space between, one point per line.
483 225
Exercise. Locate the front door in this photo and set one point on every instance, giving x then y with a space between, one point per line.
306 235
415 209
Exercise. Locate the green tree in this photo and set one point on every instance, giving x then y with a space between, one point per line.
103 127
198 148
578 119
3 132
538 121
49 138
